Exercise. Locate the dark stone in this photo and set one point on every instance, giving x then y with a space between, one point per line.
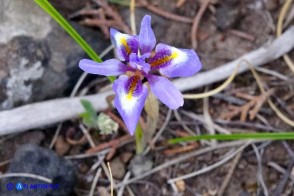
44 162
227 16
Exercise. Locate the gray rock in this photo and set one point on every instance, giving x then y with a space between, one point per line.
44 162
140 164
38 59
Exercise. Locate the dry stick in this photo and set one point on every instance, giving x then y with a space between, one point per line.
284 180
26 175
229 175
183 158
122 188
93 186
213 166
164 13
209 124
259 170
49 112
185 127
196 22
282 15
158 134
279 169
111 179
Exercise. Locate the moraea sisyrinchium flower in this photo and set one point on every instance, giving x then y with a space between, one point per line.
138 65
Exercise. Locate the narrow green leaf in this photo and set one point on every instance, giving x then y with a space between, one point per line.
88 120
47 7
89 108
139 137
237 136
89 117
120 2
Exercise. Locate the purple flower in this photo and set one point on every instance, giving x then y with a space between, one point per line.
138 64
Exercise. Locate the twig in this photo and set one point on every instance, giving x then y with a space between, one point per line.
182 158
272 72
109 144
86 133
111 181
5 162
95 182
259 171
164 13
26 175
213 166
120 192
180 150
84 156
282 15
279 169
201 118
248 124
257 57
158 134
242 34
49 112
229 174
179 119
285 178
132 17
196 22
180 3
97 164
209 124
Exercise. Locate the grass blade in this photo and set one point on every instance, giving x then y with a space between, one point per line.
237 136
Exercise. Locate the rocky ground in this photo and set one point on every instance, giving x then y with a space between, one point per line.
38 61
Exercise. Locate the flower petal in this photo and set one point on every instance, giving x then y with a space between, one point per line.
165 91
130 99
138 63
147 38
173 62
111 67
125 44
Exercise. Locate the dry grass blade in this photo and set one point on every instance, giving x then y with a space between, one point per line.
213 166
229 174
182 158
251 108
26 175
164 13
111 181
93 186
196 22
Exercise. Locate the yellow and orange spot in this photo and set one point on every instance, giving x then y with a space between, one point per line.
132 86
164 59
125 45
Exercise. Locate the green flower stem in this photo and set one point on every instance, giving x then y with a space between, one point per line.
139 137
47 7
237 136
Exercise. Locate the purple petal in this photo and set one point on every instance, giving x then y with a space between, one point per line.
165 91
173 62
138 63
125 44
130 99
147 38
111 67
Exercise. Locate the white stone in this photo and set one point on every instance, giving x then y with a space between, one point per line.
22 17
